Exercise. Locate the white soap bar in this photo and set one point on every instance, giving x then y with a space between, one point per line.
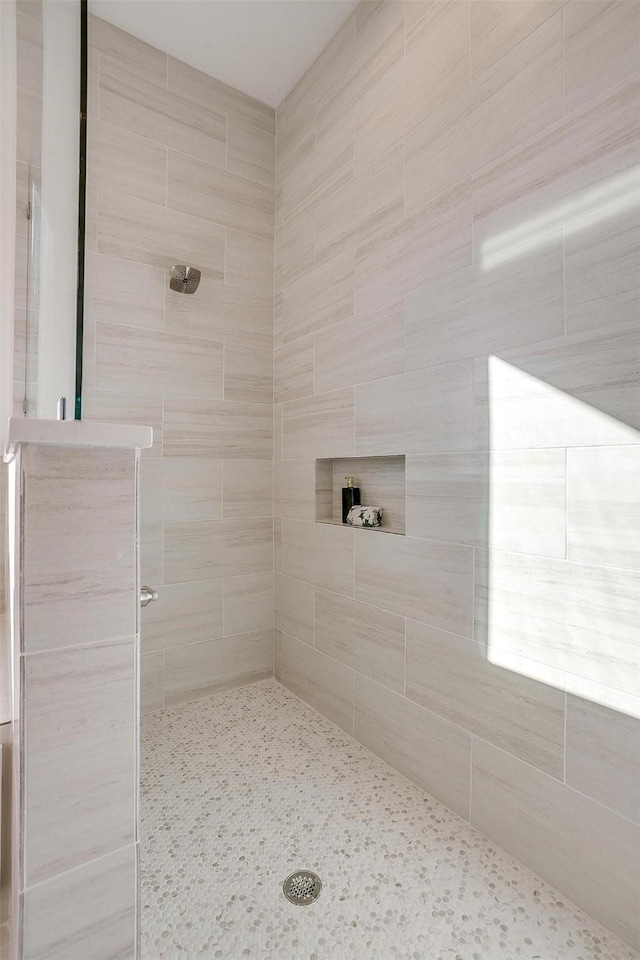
365 516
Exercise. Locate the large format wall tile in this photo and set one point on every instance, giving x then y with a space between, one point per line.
294 608
218 428
365 347
122 161
219 311
577 845
323 682
320 298
120 291
320 174
320 553
127 51
177 489
248 603
108 406
498 28
217 548
247 488
202 669
248 373
183 613
251 152
295 252
151 682
249 262
321 426
293 370
294 490
430 751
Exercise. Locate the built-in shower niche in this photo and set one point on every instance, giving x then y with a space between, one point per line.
382 484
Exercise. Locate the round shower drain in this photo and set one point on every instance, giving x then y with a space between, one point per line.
302 887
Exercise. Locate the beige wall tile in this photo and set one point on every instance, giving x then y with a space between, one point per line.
177 489
295 252
497 28
277 431
248 603
427 749
127 358
295 143
421 579
115 407
294 608
208 191
294 490
320 174
570 841
79 760
293 370
361 636
417 412
321 426
448 497
432 241
151 682
601 47
248 373
152 553
320 298
251 151
183 613
454 678
603 505
603 755
120 291
277 544
202 669
382 483
29 60
119 160
218 428
136 230
319 553
29 128
218 548
247 488
324 683
249 262
127 51
365 347
219 311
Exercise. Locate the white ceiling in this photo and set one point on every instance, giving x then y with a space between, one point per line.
261 47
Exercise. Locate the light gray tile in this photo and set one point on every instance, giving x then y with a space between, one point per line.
220 311
251 152
120 291
152 553
453 677
248 373
319 553
119 160
295 252
247 488
209 549
322 682
29 48
320 298
249 262
496 28
201 669
277 431
421 412
177 489
427 749
294 490
382 483
183 613
218 428
320 174
293 370
427 581
248 603
294 607
603 505
127 51
579 846
277 544
151 682
115 407
321 426
361 636
29 128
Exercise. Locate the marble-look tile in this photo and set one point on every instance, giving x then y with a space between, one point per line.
454 678
251 151
278 319
79 763
295 143
603 755
201 669
295 252
180 489
152 553
425 748
115 407
249 262
151 682
578 390
475 311
319 553
422 579
581 847
369 203
163 364
196 85
87 912
29 128
209 549
209 191
247 488
277 544
294 490
119 160
127 52
320 426
120 291
601 47
137 230
157 113
324 683
183 613
428 411
361 636
497 28
320 174
381 481
29 47
429 242
220 311
508 500
366 347
248 373
277 431
294 607
603 505
228 429
293 370
248 603
566 616
320 298
601 267
79 535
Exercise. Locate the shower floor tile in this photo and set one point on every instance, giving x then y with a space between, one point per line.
241 789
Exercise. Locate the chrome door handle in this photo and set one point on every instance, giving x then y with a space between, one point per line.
147 594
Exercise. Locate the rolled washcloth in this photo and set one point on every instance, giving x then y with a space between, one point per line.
365 516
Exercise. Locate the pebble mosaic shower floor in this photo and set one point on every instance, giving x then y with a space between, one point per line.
241 789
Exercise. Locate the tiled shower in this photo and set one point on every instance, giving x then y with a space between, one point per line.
422 270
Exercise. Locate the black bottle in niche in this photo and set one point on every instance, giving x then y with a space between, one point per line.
350 497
